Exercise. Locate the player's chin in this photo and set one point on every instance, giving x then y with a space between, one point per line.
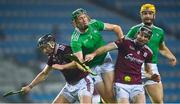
140 43
85 27
148 21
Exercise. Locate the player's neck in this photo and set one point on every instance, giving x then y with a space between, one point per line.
148 24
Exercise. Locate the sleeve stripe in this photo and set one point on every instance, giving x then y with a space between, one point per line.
76 36
115 44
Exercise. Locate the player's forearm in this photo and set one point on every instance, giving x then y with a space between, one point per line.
104 49
39 78
100 51
79 55
167 53
117 29
164 50
65 66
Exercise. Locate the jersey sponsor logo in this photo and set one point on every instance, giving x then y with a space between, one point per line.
138 52
133 59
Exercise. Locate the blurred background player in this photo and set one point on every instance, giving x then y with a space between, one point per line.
157 44
85 39
79 86
131 55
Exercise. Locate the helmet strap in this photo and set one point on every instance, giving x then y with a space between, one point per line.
51 44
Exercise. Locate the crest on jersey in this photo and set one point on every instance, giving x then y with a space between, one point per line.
145 54
138 52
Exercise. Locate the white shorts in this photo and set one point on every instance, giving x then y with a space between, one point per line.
107 66
84 87
154 70
127 91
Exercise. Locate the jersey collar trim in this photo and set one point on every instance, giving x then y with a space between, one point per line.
150 26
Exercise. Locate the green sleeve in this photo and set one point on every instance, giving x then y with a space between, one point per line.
162 37
131 33
99 25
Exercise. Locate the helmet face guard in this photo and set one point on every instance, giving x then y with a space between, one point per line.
146 30
78 12
44 40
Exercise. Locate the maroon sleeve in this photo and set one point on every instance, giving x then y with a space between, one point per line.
149 57
59 58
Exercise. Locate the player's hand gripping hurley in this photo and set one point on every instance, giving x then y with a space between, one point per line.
13 93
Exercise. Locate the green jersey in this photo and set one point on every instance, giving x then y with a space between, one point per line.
89 41
155 41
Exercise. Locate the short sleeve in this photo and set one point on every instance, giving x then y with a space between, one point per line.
162 37
76 46
149 58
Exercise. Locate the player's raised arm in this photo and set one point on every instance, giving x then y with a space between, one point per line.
115 28
100 51
79 55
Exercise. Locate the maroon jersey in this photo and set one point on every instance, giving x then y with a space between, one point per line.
129 61
58 57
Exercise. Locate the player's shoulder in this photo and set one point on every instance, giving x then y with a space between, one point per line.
136 26
64 48
75 35
157 28
128 39
93 21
